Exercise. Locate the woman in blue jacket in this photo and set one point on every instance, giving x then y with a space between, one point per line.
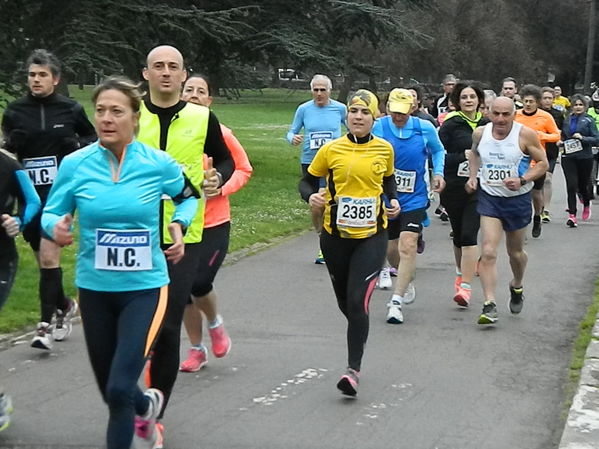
579 135
116 185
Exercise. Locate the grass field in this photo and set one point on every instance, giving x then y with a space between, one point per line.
268 207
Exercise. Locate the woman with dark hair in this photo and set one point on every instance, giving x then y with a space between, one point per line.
579 135
456 135
117 184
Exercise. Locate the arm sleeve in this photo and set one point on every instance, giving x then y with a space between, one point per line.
243 168
61 200
215 148
435 146
308 185
390 187
85 130
29 200
178 187
297 124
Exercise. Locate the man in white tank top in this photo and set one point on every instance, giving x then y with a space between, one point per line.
502 151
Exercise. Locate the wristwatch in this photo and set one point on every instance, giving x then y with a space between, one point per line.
523 181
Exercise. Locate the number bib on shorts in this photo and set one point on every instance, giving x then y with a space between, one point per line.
356 212
41 170
119 250
572 146
464 169
494 174
405 180
318 139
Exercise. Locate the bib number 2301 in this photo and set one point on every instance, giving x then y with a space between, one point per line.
356 212
495 174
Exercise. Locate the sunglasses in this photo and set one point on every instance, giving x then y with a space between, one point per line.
318 89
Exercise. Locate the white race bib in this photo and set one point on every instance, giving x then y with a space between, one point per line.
42 170
318 139
405 180
356 212
464 169
123 250
572 146
494 174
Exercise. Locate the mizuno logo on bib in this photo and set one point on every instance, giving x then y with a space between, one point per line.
123 250
41 170
318 139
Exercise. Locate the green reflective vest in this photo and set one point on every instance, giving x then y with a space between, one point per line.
185 143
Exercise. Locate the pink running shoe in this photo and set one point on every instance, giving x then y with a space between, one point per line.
145 427
586 212
348 384
196 360
221 343
462 296
572 222
159 443
457 283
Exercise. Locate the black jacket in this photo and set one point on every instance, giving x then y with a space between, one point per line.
50 126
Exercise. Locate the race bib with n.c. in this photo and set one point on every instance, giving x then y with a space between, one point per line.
318 139
41 170
405 180
123 250
495 174
356 212
572 146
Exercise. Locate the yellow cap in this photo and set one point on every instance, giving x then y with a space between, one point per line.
363 97
401 101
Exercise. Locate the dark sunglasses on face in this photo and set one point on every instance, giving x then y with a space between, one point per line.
318 89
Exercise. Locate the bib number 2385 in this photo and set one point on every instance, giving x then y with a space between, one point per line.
356 212
123 250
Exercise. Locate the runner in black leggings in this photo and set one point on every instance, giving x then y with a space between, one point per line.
354 239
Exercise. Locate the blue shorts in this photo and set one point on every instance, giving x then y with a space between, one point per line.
515 212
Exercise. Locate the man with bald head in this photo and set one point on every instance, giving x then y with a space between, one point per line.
186 131
503 150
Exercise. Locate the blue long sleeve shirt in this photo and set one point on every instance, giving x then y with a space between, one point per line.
321 124
119 244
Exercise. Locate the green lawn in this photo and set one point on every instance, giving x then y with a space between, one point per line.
267 208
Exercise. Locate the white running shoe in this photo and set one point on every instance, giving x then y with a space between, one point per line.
384 281
5 411
64 326
146 435
394 314
410 294
43 336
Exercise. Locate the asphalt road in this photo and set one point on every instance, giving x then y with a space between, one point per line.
438 381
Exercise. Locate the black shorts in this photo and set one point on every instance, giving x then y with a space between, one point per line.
410 221
32 233
539 183
213 249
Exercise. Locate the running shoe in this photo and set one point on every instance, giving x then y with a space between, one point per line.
516 300
348 384
5 411
196 360
536 226
410 295
64 325
438 211
221 342
545 216
420 245
444 216
572 222
384 281
319 259
146 434
489 314
462 296
394 314
457 283
586 212
159 444
43 336
393 271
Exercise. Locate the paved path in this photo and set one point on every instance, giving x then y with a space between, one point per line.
439 381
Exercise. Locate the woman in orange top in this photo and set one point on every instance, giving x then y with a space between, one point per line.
214 245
